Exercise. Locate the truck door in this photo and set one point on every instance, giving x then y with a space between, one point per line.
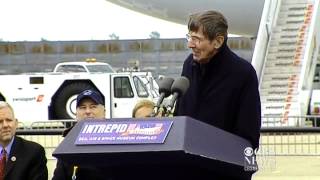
123 97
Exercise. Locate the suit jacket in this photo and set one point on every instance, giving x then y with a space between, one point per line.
27 161
65 171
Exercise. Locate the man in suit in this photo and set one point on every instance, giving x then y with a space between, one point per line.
224 88
90 105
21 159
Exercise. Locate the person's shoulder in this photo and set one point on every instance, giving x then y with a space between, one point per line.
244 63
28 144
66 131
189 59
188 65
241 64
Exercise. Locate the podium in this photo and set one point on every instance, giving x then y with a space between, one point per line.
191 150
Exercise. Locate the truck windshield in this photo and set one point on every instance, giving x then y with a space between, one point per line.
142 90
70 68
150 84
100 68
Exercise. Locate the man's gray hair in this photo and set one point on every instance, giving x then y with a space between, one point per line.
4 104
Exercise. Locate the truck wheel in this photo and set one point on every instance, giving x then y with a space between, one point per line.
64 104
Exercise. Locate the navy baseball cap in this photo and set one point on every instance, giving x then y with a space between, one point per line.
94 95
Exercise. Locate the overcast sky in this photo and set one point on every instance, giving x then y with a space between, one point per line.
31 20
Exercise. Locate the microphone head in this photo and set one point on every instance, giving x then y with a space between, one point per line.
165 86
180 85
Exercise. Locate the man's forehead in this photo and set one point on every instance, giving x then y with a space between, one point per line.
198 33
5 111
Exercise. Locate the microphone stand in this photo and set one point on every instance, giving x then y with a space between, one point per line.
162 111
169 112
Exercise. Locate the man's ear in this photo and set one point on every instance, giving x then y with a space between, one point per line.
218 41
17 122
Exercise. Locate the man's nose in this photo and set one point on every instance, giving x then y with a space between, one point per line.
191 44
88 110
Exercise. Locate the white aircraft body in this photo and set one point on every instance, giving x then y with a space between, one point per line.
243 15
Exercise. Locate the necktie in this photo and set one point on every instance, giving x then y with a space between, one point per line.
3 160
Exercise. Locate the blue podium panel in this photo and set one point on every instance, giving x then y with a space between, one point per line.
190 147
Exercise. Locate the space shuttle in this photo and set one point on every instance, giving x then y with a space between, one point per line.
287 34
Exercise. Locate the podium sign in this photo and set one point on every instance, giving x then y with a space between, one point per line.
123 132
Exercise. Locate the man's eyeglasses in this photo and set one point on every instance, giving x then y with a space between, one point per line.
194 39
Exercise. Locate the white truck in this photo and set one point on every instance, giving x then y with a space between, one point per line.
52 96
91 65
88 66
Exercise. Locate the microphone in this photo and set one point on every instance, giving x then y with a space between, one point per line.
164 91
178 88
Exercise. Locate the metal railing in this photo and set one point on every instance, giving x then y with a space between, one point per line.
287 141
